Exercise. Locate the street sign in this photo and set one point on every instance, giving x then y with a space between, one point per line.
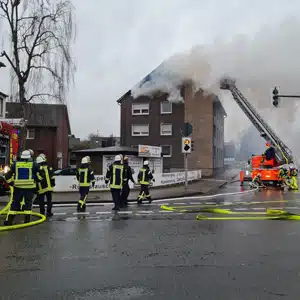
186 145
149 151
187 129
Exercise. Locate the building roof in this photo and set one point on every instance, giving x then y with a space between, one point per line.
40 114
3 95
109 149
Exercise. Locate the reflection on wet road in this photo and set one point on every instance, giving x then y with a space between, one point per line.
147 253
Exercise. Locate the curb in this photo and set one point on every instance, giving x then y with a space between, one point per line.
184 194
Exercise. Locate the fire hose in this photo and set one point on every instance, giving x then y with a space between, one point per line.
5 211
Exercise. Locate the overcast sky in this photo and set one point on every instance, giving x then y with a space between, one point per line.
119 42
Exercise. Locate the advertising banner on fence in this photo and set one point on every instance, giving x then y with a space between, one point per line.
70 184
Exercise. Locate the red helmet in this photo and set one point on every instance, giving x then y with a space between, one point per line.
268 144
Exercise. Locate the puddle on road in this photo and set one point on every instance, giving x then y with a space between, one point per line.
116 294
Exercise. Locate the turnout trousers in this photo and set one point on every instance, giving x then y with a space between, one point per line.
144 193
48 196
116 196
22 201
84 191
124 194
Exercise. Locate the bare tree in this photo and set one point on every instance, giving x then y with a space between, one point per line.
41 34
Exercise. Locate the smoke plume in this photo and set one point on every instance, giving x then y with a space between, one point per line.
259 63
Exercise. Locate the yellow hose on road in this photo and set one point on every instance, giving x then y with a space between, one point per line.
5 210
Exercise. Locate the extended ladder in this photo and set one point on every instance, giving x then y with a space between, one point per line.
283 153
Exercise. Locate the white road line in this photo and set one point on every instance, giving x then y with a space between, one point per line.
81 213
258 208
179 203
166 211
161 203
103 212
241 208
195 203
292 207
210 203
125 212
59 214
146 211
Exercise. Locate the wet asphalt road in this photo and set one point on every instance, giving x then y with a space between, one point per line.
151 254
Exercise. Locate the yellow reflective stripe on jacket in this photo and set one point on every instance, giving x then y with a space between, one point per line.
85 177
113 184
28 182
143 181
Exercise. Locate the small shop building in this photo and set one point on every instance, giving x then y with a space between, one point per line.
101 158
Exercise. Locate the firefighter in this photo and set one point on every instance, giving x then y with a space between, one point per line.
257 181
144 179
293 182
31 154
23 175
85 176
45 186
127 176
115 176
269 153
36 197
282 177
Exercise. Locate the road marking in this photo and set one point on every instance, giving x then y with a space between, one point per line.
59 214
258 208
166 211
178 203
103 212
292 207
81 213
195 203
145 211
125 212
241 208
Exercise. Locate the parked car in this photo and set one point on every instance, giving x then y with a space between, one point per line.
65 172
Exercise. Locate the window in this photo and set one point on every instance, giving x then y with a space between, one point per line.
140 130
166 150
165 129
165 107
30 134
140 109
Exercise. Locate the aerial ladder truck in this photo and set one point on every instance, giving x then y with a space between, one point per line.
268 168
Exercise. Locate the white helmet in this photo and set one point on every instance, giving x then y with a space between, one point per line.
43 155
146 162
39 159
118 158
26 154
84 160
31 152
88 159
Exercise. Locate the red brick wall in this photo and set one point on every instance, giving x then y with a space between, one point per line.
199 113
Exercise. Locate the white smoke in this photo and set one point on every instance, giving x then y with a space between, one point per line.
270 58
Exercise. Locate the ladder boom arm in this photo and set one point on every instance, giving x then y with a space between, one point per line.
283 153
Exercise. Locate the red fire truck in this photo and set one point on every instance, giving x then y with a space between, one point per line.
9 144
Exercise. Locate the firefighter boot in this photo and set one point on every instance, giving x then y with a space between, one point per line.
26 218
9 220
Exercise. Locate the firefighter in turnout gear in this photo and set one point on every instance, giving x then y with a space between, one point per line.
257 181
45 186
127 176
283 177
144 179
293 182
115 176
43 156
85 176
23 176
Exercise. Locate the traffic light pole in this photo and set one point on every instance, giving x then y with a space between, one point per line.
186 171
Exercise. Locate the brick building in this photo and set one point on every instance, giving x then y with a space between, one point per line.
158 122
48 130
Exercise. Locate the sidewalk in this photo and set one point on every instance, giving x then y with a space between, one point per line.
201 187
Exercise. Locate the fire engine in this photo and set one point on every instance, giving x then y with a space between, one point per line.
9 144
268 167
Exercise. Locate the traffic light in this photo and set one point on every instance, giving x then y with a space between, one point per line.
186 145
192 146
275 97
